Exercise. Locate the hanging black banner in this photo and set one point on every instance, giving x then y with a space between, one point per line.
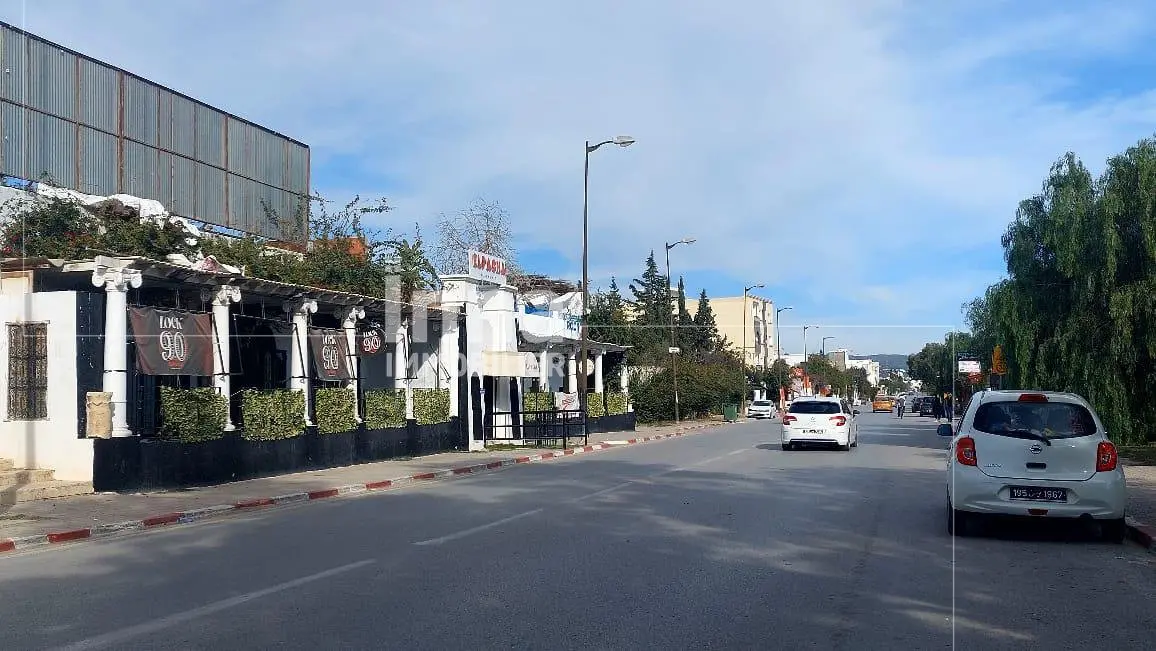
370 341
330 353
172 342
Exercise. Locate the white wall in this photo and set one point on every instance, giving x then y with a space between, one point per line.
51 443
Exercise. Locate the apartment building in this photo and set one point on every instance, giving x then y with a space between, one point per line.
758 324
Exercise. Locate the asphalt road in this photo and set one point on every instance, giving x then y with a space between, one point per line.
718 540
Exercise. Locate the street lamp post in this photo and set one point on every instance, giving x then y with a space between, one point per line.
673 340
745 310
805 329
621 141
823 345
779 346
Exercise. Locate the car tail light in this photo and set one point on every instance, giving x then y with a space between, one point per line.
1033 397
788 419
1106 458
839 420
965 451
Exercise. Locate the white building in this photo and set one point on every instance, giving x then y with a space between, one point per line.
869 365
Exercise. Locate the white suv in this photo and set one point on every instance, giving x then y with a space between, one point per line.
1035 454
820 419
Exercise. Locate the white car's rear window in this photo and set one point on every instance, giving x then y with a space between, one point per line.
761 403
1054 420
814 407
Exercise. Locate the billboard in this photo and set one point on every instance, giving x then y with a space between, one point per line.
969 366
77 123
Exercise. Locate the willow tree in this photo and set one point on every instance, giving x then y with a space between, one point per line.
1076 312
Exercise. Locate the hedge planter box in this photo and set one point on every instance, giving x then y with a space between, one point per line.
116 464
381 444
265 458
173 464
430 439
331 450
616 423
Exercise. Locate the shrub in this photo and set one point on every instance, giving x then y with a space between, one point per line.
616 403
431 406
384 408
335 410
273 415
703 389
595 405
537 401
193 415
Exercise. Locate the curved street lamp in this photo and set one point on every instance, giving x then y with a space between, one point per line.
621 141
673 340
745 310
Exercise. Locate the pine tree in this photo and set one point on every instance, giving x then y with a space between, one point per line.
706 338
652 300
608 316
685 331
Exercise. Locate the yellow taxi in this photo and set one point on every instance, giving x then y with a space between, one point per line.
882 403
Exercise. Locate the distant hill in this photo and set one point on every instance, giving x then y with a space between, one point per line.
890 360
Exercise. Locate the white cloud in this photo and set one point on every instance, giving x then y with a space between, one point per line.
801 143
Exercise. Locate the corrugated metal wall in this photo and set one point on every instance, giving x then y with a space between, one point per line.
84 125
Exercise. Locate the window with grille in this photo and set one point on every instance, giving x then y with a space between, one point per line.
27 371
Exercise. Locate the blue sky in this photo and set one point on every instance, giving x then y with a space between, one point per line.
859 157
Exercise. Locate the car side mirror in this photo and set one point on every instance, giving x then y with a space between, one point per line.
945 430
855 412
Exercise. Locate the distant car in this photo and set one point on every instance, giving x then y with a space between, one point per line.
820 420
927 406
1033 454
882 403
761 409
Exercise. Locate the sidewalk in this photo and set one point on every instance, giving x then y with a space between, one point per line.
1142 504
73 518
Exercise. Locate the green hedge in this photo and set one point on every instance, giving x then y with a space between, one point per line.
193 415
616 403
595 406
703 389
273 415
431 406
384 408
335 410
537 401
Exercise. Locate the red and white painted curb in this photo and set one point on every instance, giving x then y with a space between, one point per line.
196 515
1143 534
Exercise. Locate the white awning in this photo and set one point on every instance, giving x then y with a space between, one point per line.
510 364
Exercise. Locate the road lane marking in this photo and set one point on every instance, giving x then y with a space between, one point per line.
604 491
647 480
125 634
478 529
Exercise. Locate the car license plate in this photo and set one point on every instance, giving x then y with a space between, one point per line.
812 431
1034 494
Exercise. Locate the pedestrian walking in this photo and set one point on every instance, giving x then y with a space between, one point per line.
899 406
937 408
948 407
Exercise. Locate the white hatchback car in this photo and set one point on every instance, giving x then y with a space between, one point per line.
1035 454
820 420
761 409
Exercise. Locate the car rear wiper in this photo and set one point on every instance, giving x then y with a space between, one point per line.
1025 434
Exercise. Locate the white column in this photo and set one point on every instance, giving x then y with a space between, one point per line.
572 373
222 381
449 357
598 383
116 283
544 370
349 319
299 350
401 368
